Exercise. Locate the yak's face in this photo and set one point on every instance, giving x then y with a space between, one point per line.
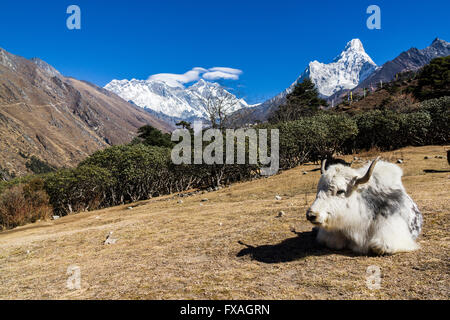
336 202
334 196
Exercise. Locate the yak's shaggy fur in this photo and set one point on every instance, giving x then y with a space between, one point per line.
377 215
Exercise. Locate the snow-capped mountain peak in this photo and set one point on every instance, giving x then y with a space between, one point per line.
354 45
346 71
177 102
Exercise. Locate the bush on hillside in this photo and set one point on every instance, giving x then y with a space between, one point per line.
434 79
24 203
80 189
389 130
313 138
37 166
439 111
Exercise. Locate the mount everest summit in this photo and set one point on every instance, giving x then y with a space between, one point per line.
174 102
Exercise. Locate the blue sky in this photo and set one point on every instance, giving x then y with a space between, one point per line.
270 41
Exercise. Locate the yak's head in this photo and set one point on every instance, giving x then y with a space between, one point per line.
336 203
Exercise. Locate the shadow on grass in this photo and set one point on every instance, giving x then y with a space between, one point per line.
291 249
435 171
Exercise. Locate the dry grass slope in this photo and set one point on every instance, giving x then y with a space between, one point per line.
230 247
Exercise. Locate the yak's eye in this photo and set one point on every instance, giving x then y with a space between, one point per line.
340 192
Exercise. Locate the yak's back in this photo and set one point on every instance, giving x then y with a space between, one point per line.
385 176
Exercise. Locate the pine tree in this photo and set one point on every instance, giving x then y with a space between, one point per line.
434 79
153 137
303 101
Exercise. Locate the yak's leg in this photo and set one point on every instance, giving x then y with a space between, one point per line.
331 239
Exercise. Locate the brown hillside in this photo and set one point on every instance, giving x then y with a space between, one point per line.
60 120
395 95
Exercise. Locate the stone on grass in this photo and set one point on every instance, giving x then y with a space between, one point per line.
110 239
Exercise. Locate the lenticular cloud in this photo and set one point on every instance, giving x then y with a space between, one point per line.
216 73
177 80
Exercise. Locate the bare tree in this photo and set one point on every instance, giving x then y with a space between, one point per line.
219 106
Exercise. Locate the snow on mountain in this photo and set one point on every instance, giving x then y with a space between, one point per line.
346 71
171 100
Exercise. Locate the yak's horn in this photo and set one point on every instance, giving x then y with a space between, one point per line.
322 169
368 174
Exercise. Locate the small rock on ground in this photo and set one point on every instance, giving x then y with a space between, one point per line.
109 239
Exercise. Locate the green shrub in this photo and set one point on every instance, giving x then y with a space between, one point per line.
414 128
313 138
139 171
439 111
388 130
80 189
434 79
38 166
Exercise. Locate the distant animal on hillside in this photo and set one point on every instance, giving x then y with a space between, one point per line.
366 209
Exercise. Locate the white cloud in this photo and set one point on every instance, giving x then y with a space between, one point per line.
201 70
177 80
227 70
216 73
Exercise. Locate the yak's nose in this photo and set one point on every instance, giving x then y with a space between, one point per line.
311 216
